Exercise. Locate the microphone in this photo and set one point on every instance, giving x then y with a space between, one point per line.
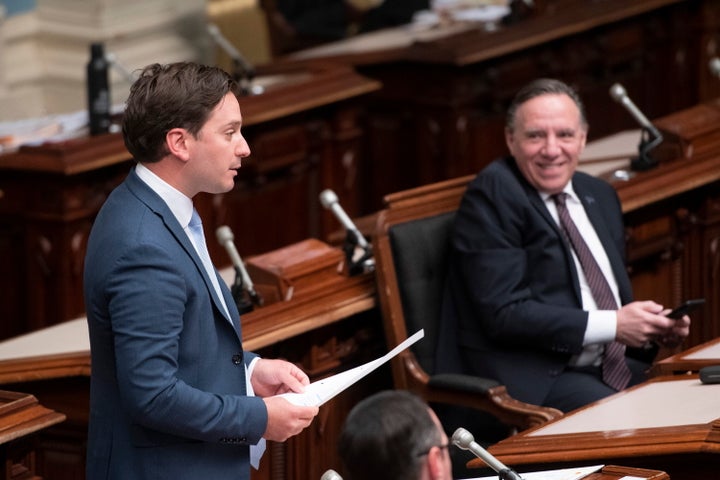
111 58
465 441
242 280
643 162
244 72
714 65
331 475
710 374
329 200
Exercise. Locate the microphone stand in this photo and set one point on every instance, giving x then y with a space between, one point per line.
243 76
243 73
648 141
364 263
465 441
244 304
650 137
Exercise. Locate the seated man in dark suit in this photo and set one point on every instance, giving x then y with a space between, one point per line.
537 286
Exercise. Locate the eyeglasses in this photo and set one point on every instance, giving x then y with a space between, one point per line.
441 447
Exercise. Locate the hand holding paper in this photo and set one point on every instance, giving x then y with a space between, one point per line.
317 393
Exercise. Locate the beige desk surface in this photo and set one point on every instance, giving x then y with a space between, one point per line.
669 423
652 405
611 153
381 40
691 360
66 337
710 352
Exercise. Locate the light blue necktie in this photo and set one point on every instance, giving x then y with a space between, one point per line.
196 229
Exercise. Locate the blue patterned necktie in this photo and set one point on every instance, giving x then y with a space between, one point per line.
615 372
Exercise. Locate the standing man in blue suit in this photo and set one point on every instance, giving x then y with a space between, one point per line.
531 311
173 395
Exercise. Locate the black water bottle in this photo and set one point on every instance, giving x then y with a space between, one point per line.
98 90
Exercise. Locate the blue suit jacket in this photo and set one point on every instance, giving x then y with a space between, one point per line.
168 394
513 295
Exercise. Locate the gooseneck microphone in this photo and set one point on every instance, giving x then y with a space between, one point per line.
331 475
113 61
242 280
364 263
714 65
465 441
244 71
618 93
651 136
330 201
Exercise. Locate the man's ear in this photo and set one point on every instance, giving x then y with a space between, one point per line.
176 141
509 139
436 463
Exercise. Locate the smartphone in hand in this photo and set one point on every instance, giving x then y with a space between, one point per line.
685 308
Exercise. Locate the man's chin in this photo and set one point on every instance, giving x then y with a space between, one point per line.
553 186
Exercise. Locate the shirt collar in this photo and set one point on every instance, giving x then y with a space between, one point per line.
179 204
568 189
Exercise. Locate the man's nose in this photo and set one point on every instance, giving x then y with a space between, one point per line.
242 149
551 147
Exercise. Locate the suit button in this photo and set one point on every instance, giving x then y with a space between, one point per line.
237 359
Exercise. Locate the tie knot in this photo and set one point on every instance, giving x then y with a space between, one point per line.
560 198
195 220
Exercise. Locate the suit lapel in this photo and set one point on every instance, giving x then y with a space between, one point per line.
158 206
541 208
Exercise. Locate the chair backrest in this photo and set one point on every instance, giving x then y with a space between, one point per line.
411 245
420 250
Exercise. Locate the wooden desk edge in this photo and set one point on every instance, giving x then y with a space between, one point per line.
680 364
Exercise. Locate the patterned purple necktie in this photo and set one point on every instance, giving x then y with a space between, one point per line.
615 372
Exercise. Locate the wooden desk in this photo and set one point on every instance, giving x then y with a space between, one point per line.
612 472
21 418
669 423
690 360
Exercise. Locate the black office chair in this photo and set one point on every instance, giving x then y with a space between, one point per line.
411 242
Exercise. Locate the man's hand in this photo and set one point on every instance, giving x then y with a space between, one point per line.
286 419
675 335
639 323
273 377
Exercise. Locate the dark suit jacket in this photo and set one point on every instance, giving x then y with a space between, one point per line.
168 394
513 291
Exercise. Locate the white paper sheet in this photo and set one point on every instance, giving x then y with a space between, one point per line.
575 473
323 390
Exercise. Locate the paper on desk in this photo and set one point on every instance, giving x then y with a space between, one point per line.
323 390
575 473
